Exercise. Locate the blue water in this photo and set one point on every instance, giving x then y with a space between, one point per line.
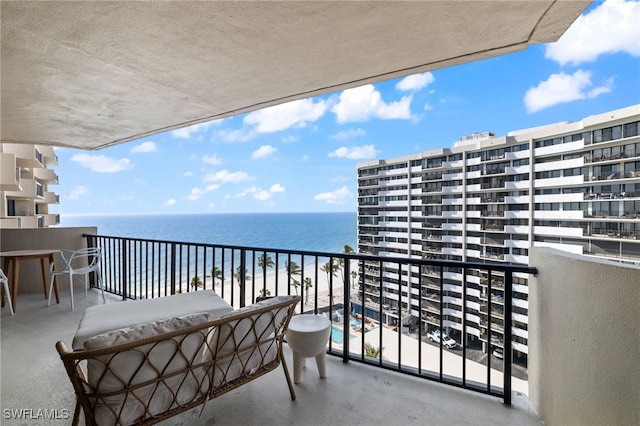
336 335
327 232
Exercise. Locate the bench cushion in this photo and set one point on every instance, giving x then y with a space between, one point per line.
100 319
151 379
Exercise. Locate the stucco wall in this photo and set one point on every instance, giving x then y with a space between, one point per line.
584 340
41 238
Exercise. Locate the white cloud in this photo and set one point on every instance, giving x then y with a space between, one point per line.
185 132
144 147
291 114
225 176
101 163
276 187
289 139
240 135
187 174
263 151
348 134
78 191
261 194
365 102
169 202
562 88
364 152
611 27
211 159
195 194
427 107
415 82
338 196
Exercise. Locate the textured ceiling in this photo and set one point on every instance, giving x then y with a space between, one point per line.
94 74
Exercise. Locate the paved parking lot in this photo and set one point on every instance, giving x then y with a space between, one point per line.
474 353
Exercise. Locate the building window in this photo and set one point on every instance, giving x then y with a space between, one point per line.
522 162
631 129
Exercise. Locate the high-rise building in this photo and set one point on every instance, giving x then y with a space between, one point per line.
25 178
573 186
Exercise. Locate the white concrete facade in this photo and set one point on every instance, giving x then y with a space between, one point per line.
25 177
569 186
585 339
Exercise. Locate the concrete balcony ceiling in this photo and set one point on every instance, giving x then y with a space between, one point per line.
94 74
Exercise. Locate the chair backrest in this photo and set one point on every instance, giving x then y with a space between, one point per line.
86 258
3 277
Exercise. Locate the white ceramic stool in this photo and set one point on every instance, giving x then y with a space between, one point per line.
307 337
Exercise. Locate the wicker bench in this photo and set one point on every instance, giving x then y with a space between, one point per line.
149 372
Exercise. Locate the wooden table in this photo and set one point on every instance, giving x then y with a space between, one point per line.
12 258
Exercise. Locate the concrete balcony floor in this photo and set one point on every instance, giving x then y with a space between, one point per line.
33 377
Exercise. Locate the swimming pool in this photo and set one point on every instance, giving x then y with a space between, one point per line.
356 323
336 335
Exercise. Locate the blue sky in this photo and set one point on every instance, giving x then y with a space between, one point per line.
302 156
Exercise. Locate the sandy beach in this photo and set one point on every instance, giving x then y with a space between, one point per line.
277 283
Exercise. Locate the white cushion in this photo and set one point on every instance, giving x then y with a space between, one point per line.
100 319
145 363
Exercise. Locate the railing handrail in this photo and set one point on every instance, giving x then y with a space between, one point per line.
498 266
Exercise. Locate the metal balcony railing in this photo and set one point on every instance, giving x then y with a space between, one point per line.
332 284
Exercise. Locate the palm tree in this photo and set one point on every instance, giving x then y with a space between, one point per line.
330 268
264 293
216 274
295 283
346 250
307 286
196 282
292 270
265 261
239 274
354 275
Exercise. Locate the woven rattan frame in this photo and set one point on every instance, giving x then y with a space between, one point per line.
249 340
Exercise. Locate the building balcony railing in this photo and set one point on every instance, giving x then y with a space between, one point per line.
488 213
492 199
495 256
500 185
137 268
492 227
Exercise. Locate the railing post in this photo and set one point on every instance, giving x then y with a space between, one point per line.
123 265
508 308
243 263
91 244
173 268
345 309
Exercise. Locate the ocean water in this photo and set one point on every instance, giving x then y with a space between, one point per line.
326 232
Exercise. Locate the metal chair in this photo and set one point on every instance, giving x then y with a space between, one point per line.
5 285
79 262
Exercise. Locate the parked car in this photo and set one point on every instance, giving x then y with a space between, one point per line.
498 353
447 341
